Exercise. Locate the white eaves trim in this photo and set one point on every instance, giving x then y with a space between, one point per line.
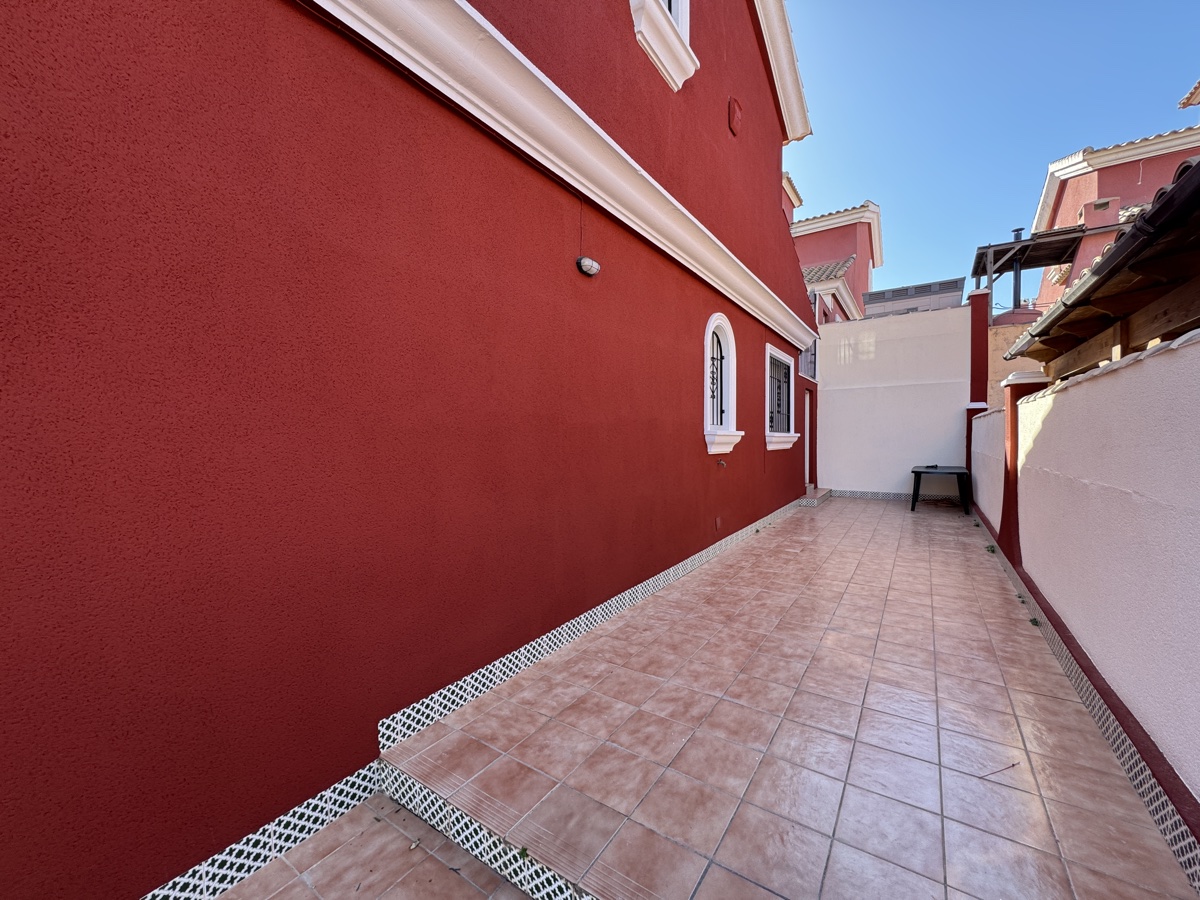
664 42
841 290
456 51
777 30
1081 162
789 188
867 212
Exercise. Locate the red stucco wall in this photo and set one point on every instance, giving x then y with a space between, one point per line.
306 413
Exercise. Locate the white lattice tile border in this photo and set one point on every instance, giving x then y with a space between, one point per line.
525 872
890 495
239 861
1179 837
440 704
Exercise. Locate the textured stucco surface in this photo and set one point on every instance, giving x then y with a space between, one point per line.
1000 338
987 464
893 395
306 413
1110 522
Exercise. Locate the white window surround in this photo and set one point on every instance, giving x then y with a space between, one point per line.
721 438
450 47
780 440
664 37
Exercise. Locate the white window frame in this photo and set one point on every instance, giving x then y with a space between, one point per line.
779 440
721 438
663 35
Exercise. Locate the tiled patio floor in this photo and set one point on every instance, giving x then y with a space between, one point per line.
850 704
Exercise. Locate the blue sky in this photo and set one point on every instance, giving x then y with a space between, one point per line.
947 112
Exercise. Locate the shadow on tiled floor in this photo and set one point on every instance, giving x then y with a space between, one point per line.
850 704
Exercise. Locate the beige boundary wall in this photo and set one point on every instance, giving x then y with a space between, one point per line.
1109 508
987 464
893 395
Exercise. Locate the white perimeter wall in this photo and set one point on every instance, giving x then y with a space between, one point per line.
1109 500
893 394
987 464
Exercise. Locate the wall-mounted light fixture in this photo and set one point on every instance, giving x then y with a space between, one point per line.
587 266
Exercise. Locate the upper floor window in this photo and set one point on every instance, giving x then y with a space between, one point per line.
662 27
720 386
781 404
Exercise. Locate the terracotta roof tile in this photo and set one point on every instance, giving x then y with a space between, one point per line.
828 270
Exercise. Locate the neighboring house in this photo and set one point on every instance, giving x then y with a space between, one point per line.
839 251
1103 191
913 298
314 399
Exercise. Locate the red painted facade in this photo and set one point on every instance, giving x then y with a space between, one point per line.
308 412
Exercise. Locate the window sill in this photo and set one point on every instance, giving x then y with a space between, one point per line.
659 36
781 441
722 441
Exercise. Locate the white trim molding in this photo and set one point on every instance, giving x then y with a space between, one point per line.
665 40
1081 162
780 440
777 31
840 289
721 437
868 212
451 47
789 188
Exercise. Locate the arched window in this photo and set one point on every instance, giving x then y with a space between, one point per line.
720 386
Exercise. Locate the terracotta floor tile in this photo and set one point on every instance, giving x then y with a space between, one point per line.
596 714
340 831
786 672
687 811
655 661
724 765
774 852
978 721
640 864
999 763
997 808
431 880
567 831
266 881
973 693
454 857
796 793
415 828
628 686
823 712
892 830
905 655
651 737
615 777
702 677
724 655
450 763
721 884
1118 848
1101 792
507 723
293 890
1052 685
812 748
555 749
853 875
910 677
1052 710
680 704
766 696
844 686
901 735
548 696
994 868
849 643
466 713
1092 885
502 793
373 861
1084 747
740 724
426 737
897 776
903 702
584 670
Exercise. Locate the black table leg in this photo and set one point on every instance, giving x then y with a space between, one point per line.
964 492
916 490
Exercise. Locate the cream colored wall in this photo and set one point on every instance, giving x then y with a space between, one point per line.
893 395
1109 499
1000 338
987 464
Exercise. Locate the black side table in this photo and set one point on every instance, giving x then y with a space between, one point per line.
964 483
